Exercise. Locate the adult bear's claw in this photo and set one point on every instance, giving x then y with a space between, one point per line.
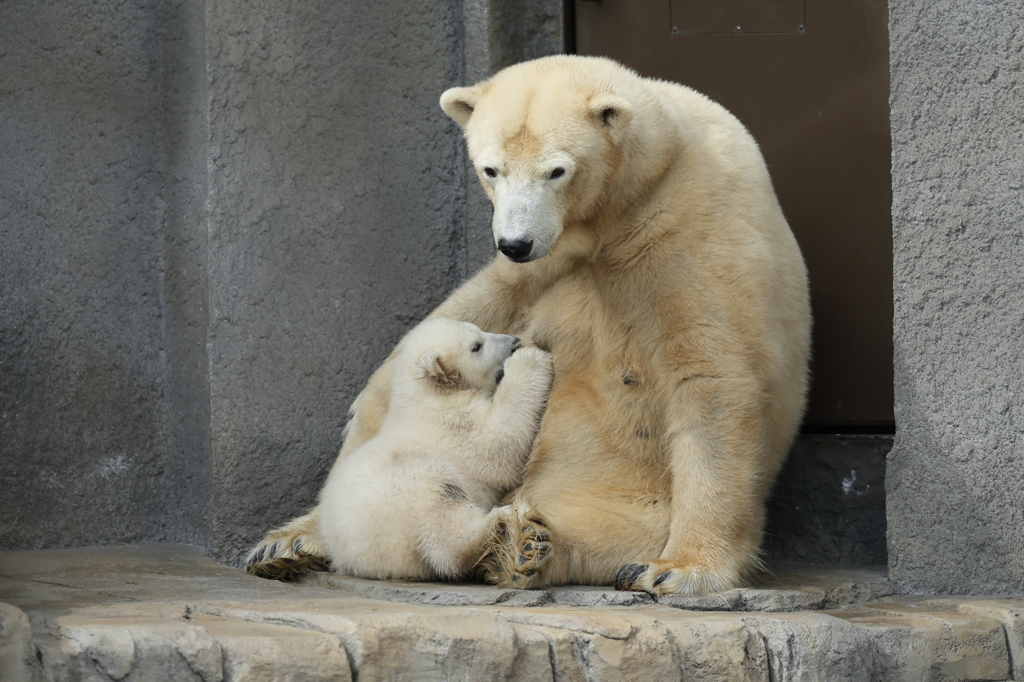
627 576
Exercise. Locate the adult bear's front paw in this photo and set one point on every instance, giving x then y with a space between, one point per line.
666 577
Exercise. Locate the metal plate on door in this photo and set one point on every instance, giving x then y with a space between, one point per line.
736 16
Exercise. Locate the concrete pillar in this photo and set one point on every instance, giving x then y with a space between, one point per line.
955 479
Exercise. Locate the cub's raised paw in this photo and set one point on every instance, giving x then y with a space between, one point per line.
285 556
664 577
529 359
519 548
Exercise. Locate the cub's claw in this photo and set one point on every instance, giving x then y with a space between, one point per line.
275 563
519 548
287 553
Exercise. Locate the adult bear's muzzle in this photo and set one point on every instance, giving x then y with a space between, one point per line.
527 219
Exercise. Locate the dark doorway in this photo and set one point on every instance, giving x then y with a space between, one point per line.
810 80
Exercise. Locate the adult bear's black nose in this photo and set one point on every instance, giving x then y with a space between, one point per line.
516 250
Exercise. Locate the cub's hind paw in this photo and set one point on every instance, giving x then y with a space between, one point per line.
284 558
519 548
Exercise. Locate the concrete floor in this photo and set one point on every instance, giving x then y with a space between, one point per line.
167 612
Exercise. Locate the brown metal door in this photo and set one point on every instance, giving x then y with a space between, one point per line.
810 80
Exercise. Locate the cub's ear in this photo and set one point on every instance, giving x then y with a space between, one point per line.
612 113
434 368
459 103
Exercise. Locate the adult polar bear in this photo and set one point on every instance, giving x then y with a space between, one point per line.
644 246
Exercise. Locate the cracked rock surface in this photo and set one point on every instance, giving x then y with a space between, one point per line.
167 612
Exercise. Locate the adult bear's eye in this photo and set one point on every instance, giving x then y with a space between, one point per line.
490 172
557 173
477 346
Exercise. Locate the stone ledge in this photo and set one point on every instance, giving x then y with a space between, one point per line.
787 587
164 611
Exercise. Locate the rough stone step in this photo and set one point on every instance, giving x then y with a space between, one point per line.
167 612
786 587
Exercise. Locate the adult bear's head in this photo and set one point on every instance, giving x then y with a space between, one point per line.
546 138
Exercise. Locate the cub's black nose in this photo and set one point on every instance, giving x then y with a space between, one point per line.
516 250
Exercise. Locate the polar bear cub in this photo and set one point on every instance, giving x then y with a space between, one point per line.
418 500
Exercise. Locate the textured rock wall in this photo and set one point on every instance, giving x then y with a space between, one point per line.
955 481
87 434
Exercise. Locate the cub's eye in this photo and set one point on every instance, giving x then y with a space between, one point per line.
490 172
477 346
557 173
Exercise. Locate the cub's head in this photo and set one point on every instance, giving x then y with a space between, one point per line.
452 355
546 138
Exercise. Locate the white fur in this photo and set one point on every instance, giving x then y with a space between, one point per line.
526 206
418 500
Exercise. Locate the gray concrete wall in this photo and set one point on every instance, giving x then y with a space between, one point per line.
955 480
216 218
185 279
87 435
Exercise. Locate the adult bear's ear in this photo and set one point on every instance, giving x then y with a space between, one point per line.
459 103
612 113
434 368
